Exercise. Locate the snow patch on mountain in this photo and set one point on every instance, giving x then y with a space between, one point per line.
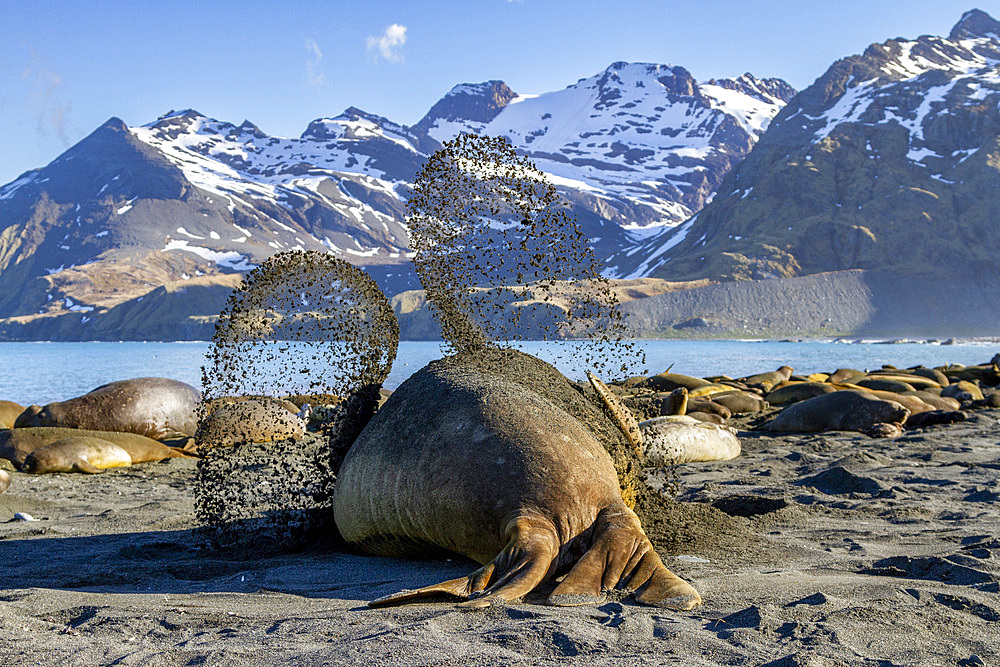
230 260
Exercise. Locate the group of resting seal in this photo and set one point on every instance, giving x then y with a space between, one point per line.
880 403
117 424
123 423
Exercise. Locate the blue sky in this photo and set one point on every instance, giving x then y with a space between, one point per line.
66 66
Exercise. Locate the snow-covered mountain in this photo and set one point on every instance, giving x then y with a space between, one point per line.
889 162
647 140
127 209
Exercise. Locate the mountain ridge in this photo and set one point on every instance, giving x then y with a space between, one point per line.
888 162
129 208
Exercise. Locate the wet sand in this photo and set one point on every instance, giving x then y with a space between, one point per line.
857 551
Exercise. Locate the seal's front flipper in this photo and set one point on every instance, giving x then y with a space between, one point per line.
622 556
83 465
524 563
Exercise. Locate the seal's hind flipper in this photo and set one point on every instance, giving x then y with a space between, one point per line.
622 556
524 563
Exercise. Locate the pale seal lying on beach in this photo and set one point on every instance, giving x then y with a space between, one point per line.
158 408
17 444
681 439
847 410
4 480
76 454
671 439
465 458
964 391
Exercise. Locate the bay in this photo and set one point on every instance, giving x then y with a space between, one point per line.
44 372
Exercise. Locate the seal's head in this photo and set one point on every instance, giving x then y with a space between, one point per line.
30 417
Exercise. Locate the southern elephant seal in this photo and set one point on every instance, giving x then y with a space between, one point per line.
16 444
937 402
935 417
964 391
879 383
912 379
76 454
676 402
466 458
9 412
675 438
708 405
4 480
847 410
912 403
251 420
842 375
668 381
931 374
986 374
158 408
794 392
768 380
705 417
620 414
681 439
741 402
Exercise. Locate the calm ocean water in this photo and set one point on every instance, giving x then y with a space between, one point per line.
44 372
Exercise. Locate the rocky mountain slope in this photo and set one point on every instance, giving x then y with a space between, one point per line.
889 162
131 209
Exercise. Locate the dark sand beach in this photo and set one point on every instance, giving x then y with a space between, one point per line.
842 549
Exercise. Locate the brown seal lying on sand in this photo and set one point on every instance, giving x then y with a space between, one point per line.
76 454
847 410
260 419
465 458
17 444
158 408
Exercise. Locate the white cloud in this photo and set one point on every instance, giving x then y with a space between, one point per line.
315 76
46 96
388 44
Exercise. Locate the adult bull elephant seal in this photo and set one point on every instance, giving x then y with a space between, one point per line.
469 461
158 408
